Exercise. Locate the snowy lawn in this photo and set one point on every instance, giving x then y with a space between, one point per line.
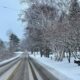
70 70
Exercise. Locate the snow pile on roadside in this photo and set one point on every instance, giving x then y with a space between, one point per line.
70 70
18 52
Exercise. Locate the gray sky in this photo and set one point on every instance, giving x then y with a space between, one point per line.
8 18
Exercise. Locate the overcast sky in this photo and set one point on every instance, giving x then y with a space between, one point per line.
9 18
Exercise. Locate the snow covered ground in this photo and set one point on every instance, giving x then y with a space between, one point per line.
70 70
17 54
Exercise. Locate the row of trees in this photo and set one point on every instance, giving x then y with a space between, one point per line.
7 48
53 28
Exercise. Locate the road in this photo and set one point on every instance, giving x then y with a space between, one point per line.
21 72
45 74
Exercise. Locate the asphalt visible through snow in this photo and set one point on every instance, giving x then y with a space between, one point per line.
21 72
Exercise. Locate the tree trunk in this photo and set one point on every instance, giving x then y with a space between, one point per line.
69 58
41 52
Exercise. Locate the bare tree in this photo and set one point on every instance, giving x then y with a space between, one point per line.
74 21
40 18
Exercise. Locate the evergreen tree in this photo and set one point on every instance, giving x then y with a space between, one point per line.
14 42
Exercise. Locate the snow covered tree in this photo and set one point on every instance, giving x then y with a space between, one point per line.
40 18
2 44
74 21
52 25
2 49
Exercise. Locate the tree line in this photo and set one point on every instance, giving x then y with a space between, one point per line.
52 27
7 49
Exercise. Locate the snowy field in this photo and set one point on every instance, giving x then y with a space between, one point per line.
70 70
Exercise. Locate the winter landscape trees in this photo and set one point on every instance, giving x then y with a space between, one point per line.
8 48
14 43
53 26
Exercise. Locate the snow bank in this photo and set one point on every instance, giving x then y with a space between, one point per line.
18 54
70 70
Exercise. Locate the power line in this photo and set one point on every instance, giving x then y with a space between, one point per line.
5 7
